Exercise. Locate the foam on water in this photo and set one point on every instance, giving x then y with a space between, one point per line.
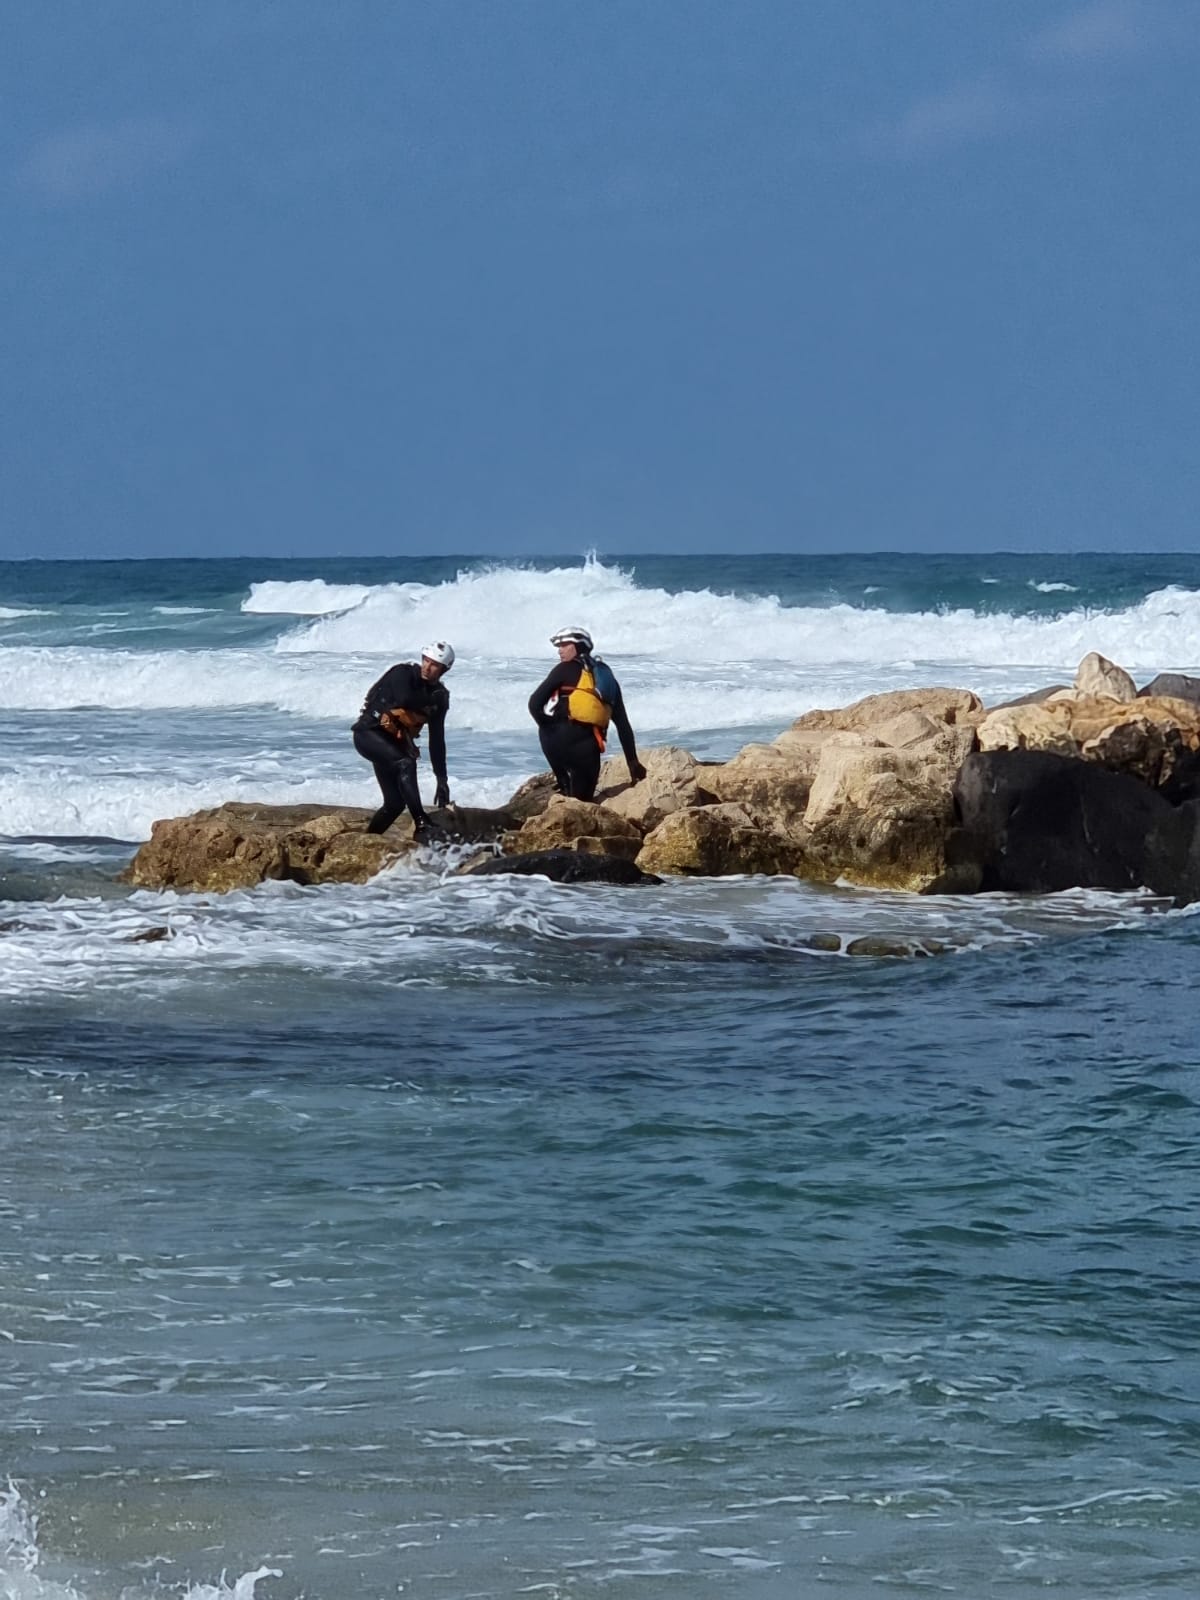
21 1559
415 925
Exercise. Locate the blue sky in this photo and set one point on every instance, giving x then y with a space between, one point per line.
524 276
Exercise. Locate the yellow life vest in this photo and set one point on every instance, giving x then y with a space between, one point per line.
585 705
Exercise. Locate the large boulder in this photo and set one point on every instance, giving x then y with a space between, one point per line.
674 780
717 841
1173 686
1030 821
532 798
774 781
878 816
235 846
1103 679
240 844
1144 737
580 825
954 707
769 781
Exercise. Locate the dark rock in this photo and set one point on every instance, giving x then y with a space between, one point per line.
563 866
1034 698
874 944
1177 685
822 941
150 936
1034 822
1184 782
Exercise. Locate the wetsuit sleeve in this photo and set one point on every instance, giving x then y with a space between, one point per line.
624 731
437 736
566 672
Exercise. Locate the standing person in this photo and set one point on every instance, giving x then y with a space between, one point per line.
583 696
405 699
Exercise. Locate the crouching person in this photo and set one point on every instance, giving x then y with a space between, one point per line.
409 697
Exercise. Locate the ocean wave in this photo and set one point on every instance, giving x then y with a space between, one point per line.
10 613
501 614
312 597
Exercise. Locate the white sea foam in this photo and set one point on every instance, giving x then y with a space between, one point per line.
8 613
697 658
504 614
21 1559
414 926
311 598
1054 588
67 802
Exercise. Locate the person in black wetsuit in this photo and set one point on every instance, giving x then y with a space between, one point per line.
572 730
408 697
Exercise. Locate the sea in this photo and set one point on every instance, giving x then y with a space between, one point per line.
453 1238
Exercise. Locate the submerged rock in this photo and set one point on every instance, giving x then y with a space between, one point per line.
561 866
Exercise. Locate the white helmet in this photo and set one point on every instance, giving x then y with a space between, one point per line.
579 637
441 652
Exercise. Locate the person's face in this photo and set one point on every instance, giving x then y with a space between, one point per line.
431 671
568 650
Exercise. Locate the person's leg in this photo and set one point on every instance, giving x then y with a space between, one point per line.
396 774
584 764
551 741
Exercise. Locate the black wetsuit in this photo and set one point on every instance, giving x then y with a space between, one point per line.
394 757
572 748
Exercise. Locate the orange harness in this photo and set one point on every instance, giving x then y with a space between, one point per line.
402 724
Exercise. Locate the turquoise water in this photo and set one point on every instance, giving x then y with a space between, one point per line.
455 1238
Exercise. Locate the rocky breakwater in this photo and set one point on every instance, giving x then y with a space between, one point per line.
1096 784
862 793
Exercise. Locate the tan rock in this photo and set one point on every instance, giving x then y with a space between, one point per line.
879 817
238 845
1044 725
1143 737
1099 676
674 779
957 707
568 824
1091 715
771 782
532 798
716 841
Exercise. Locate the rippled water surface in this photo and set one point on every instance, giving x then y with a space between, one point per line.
781 1270
458 1238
